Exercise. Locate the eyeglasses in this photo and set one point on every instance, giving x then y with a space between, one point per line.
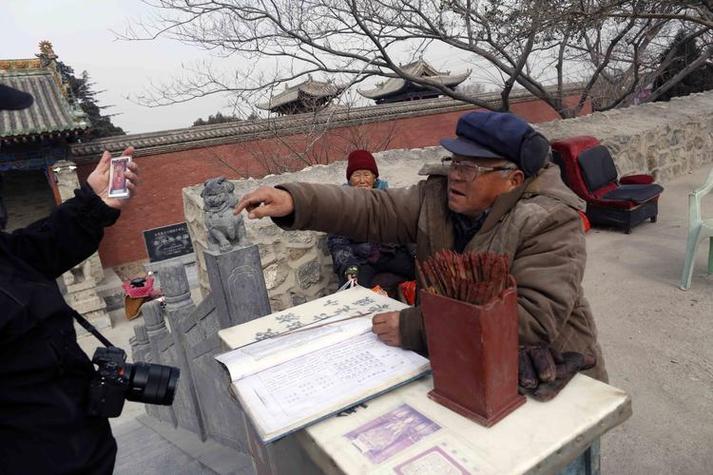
470 171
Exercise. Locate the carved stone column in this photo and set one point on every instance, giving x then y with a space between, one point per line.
179 315
234 268
160 351
67 182
141 351
81 281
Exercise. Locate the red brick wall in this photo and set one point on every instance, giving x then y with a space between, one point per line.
159 201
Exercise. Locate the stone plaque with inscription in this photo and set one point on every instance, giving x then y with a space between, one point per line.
168 242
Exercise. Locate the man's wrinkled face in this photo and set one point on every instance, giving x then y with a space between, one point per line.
362 179
475 183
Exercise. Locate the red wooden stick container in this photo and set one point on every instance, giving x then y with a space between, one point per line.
474 355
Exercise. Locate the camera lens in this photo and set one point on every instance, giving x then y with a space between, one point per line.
152 383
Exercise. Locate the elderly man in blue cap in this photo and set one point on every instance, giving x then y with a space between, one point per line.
501 194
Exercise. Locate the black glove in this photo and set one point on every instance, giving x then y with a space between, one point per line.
544 371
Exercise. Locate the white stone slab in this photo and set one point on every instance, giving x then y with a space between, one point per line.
536 438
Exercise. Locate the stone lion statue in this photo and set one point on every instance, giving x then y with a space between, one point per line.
225 228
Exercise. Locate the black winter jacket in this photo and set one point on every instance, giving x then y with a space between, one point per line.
44 374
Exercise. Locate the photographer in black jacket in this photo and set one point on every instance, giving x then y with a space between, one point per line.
44 375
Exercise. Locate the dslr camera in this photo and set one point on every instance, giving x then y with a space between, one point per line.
115 380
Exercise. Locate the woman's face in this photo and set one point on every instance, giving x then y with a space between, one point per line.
362 179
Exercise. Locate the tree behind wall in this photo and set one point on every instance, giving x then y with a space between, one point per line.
684 50
539 46
219 118
83 92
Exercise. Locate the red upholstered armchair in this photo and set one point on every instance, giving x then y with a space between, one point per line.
588 169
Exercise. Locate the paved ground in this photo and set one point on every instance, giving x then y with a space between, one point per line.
146 446
656 339
142 450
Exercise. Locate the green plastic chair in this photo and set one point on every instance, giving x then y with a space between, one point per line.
698 230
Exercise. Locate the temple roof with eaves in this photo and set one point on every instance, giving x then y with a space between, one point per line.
419 69
51 115
302 97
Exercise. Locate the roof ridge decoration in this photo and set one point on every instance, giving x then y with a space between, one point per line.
54 113
48 60
19 64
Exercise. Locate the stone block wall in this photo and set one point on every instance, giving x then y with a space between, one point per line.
297 265
663 139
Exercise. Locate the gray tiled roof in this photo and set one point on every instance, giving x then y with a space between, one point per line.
419 69
310 87
51 113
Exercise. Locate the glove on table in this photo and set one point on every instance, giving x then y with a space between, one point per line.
544 371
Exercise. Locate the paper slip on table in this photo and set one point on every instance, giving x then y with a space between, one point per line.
404 432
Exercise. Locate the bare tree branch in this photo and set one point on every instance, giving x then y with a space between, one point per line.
531 44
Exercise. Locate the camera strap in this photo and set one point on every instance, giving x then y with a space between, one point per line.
92 329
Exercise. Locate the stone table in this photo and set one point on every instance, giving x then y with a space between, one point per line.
405 432
536 438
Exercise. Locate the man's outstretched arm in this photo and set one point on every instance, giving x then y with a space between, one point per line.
364 215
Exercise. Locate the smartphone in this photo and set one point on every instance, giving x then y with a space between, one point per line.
118 186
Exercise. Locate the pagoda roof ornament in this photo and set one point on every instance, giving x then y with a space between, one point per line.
46 52
53 114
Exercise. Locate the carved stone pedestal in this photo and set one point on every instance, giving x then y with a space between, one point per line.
82 296
238 285
81 281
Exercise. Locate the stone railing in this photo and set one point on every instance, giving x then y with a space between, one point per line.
664 139
184 334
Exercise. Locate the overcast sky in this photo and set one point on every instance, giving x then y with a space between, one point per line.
81 33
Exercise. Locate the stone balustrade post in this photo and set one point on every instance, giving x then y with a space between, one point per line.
141 351
179 310
81 280
237 285
160 350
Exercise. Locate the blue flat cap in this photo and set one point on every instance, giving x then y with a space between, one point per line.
485 134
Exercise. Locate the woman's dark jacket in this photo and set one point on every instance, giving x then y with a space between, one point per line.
347 252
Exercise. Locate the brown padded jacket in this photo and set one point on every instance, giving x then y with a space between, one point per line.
537 225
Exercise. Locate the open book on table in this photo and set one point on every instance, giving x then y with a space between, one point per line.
296 367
